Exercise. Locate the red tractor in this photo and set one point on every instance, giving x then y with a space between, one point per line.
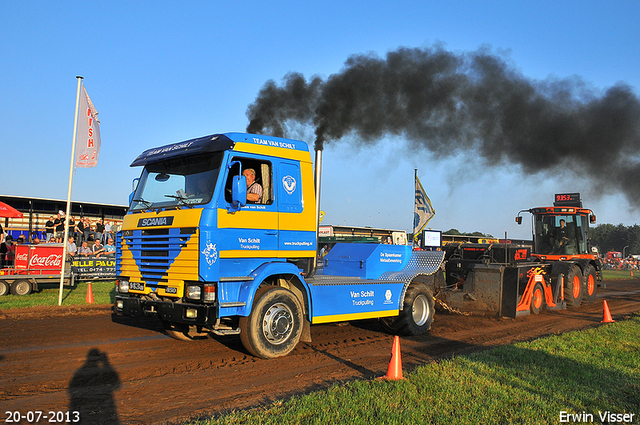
561 241
512 280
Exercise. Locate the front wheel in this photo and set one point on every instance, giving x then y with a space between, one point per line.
417 312
537 299
274 326
573 287
589 285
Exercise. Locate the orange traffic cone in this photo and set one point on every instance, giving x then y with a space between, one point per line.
607 315
89 294
631 273
394 372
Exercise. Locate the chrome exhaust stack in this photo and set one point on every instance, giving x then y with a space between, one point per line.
317 179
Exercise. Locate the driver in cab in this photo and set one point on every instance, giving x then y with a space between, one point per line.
254 190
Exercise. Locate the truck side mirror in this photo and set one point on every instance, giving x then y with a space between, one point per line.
239 192
134 186
592 219
519 219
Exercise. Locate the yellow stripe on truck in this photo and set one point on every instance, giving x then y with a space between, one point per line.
298 155
353 316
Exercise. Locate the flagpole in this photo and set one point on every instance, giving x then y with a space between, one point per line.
71 169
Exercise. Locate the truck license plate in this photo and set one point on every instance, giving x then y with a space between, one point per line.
136 286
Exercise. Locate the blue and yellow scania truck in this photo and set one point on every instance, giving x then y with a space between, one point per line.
196 253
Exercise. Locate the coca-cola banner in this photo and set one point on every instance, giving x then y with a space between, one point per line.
39 257
47 259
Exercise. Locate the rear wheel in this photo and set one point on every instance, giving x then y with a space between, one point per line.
274 327
4 288
590 288
537 299
573 287
417 312
21 287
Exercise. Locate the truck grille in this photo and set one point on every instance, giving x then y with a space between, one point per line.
154 252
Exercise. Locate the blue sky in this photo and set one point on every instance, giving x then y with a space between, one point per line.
163 72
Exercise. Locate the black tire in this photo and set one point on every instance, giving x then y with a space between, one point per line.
590 287
274 327
4 288
183 332
21 287
573 292
417 312
537 299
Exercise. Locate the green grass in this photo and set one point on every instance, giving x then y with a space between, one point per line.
103 293
589 371
619 274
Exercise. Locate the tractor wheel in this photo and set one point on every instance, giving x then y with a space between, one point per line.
417 312
274 326
590 287
573 287
537 299
4 288
21 287
183 332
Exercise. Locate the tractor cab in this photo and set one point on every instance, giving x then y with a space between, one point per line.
561 232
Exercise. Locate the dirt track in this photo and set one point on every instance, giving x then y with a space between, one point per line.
114 370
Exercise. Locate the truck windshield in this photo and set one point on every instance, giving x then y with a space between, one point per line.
176 182
560 234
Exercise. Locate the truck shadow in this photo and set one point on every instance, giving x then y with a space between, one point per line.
149 323
91 398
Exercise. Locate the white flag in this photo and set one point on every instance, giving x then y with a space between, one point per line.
423 211
88 141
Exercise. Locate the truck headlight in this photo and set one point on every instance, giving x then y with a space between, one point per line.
194 292
123 286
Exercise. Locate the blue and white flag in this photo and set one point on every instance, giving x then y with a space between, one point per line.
423 211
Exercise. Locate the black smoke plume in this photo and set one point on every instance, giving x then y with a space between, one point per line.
473 102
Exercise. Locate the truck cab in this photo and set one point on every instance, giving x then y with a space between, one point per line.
200 253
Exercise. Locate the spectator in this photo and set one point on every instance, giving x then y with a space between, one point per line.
72 227
84 249
99 230
59 226
71 247
7 252
87 230
109 248
50 227
97 247
107 232
80 231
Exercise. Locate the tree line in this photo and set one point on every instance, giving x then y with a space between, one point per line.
606 237
609 237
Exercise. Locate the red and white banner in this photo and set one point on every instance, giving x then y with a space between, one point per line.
88 141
